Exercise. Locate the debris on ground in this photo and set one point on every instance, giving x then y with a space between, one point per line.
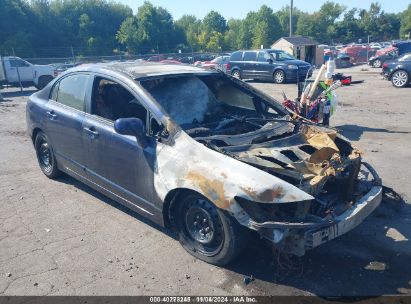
377 266
8 274
110 260
47 230
187 276
248 279
392 198
36 284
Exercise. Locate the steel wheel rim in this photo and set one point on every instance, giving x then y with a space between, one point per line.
279 77
377 63
399 79
207 235
236 74
45 156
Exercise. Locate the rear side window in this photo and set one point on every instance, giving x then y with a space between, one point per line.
236 56
250 56
71 91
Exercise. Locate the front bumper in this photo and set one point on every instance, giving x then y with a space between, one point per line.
300 75
300 236
346 221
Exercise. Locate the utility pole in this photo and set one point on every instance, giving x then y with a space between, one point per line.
291 19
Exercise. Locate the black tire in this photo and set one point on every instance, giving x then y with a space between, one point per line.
279 77
236 73
400 79
43 81
221 243
45 156
377 63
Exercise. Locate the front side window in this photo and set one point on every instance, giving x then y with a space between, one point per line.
281 56
263 57
406 58
112 101
18 63
71 91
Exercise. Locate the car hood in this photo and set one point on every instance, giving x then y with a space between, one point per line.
289 169
296 62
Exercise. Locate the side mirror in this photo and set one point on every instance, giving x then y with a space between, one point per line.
270 61
134 127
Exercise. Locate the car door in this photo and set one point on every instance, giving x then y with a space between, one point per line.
20 68
264 67
118 163
64 114
249 64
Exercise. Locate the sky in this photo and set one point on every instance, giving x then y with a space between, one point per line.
240 8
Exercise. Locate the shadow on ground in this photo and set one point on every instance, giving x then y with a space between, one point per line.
83 187
367 261
17 94
354 132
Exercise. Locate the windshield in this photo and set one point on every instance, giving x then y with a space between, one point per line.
281 55
194 101
406 58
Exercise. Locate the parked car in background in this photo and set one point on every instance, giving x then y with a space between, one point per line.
273 65
358 53
14 70
203 154
404 47
398 71
218 63
61 68
383 55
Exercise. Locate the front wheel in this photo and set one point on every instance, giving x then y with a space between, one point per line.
279 77
377 63
400 79
207 232
45 156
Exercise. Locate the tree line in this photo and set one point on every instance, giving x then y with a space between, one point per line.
60 28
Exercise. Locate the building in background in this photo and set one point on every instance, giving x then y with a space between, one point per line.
303 48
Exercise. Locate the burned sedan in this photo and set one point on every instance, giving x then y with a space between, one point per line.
203 154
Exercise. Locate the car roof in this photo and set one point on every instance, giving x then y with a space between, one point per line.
143 69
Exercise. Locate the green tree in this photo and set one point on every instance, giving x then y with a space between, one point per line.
406 23
214 22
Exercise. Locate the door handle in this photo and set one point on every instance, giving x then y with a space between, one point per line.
51 115
92 132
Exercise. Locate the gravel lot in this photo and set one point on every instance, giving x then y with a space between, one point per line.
62 238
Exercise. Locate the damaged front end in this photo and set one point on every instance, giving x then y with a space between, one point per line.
317 160
297 184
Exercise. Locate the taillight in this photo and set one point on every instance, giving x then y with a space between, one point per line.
228 66
385 65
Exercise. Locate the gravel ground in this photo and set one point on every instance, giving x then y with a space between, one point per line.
62 238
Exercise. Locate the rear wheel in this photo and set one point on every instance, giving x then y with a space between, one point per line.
207 232
279 77
236 74
377 63
400 79
45 156
43 81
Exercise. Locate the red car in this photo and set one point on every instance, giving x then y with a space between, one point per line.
218 63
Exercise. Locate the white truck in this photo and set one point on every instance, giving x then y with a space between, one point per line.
15 71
